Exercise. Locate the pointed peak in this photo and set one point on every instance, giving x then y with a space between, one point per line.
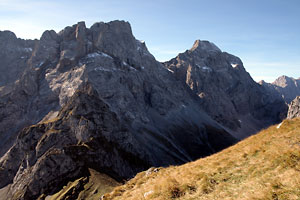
283 78
204 45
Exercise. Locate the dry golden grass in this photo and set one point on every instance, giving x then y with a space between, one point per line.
97 185
264 166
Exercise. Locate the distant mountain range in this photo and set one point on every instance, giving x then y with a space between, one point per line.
284 87
95 99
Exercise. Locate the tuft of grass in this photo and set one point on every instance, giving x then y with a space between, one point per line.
263 166
50 120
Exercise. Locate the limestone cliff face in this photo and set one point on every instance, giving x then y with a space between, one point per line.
226 91
14 56
294 108
96 98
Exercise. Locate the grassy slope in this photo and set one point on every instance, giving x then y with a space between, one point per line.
264 166
96 185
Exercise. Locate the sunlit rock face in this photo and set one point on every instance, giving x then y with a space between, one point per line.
294 108
96 98
227 91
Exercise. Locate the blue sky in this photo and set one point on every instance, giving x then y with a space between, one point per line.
265 34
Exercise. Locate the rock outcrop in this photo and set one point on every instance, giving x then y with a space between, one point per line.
227 92
14 56
294 108
96 98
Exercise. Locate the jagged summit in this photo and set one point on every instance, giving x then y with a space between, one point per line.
30 69
114 38
203 45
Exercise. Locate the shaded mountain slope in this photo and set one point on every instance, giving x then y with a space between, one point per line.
14 56
263 166
227 92
87 134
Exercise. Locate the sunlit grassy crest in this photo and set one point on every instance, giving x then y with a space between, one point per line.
263 166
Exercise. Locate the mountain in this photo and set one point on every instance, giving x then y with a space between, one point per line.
294 108
285 87
263 166
227 92
14 55
94 99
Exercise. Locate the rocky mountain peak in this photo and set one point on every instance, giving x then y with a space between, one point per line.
224 86
116 39
203 45
113 38
283 81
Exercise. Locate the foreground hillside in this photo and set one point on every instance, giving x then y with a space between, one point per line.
264 166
